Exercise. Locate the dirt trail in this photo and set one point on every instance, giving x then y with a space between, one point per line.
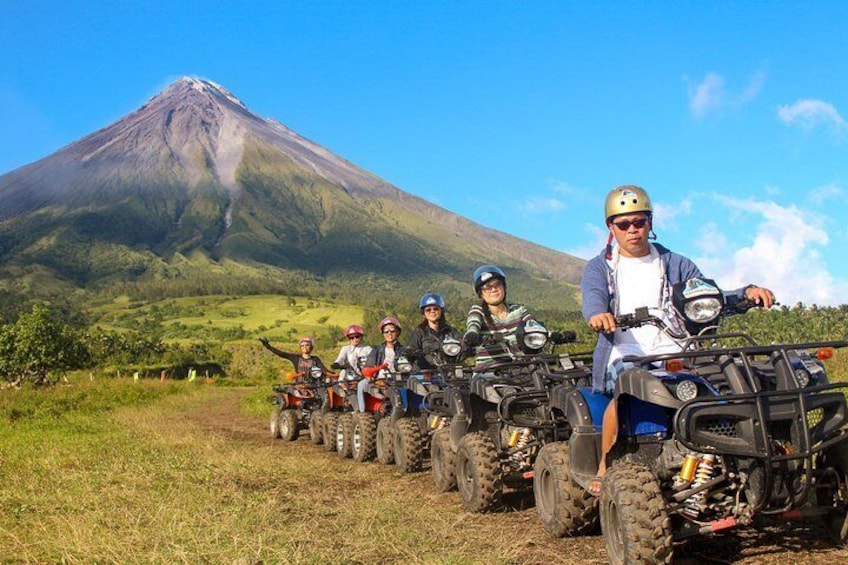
788 543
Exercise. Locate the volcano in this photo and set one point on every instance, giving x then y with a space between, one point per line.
193 181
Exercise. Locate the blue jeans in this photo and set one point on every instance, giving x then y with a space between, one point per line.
362 387
614 369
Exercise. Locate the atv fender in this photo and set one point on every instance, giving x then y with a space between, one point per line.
643 385
460 404
584 410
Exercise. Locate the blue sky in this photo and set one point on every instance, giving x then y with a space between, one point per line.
518 115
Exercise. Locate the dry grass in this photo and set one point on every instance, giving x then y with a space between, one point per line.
193 478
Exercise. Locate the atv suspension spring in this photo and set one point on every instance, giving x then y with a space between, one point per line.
694 504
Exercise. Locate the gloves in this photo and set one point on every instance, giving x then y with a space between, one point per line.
471 339
336 367
264 341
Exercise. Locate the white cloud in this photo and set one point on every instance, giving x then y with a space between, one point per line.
771 190
755 84
707 96
665 215
597 240
562 187
826 193
711 240
785 254
808 113
712 96
540 204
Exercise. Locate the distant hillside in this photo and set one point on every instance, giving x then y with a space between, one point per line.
193 193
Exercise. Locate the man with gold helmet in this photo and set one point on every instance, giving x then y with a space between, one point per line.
632 272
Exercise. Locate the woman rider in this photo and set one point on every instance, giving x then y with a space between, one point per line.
427 337
349 356
302 361
491 325
381 357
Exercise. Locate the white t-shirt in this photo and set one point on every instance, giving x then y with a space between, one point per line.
640 283
349 357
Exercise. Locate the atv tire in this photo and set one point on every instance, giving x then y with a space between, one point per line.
836 522
316 428
385 448
565 508
364 435
274 423
330 421
443 461
634 520
344 435
289 425
408 446
478 473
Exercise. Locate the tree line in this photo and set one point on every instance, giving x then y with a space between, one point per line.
39 342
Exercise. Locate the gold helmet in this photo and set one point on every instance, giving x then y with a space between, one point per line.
627 200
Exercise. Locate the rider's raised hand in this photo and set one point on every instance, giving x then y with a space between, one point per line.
264 341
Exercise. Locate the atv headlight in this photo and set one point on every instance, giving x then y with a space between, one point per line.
451 348
316 373
802 376
403 365
686 390
702 310
535 336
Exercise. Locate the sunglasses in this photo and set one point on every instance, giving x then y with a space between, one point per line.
355 337
390 331
624 225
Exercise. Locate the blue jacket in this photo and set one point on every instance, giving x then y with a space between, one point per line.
598 289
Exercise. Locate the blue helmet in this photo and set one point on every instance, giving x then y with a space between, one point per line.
485 273
431 299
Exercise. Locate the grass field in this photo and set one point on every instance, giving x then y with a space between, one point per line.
111 471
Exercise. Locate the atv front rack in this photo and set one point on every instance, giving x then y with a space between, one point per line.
767 414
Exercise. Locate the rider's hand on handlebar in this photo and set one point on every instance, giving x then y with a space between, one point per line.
759 296
602 323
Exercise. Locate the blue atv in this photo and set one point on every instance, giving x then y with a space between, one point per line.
725 433
403 437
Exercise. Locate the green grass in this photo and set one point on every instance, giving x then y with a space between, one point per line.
270 315
111 471
182 476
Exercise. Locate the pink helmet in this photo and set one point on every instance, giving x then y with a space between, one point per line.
353 330
389 321
306 340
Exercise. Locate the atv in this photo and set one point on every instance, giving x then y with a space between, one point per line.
454 377
501 420
725 433
356 430
297 406
404 437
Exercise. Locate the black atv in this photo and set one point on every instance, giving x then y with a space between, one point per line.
455 378
502 419
725 433
404 437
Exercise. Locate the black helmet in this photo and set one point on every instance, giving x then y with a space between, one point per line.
485 273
